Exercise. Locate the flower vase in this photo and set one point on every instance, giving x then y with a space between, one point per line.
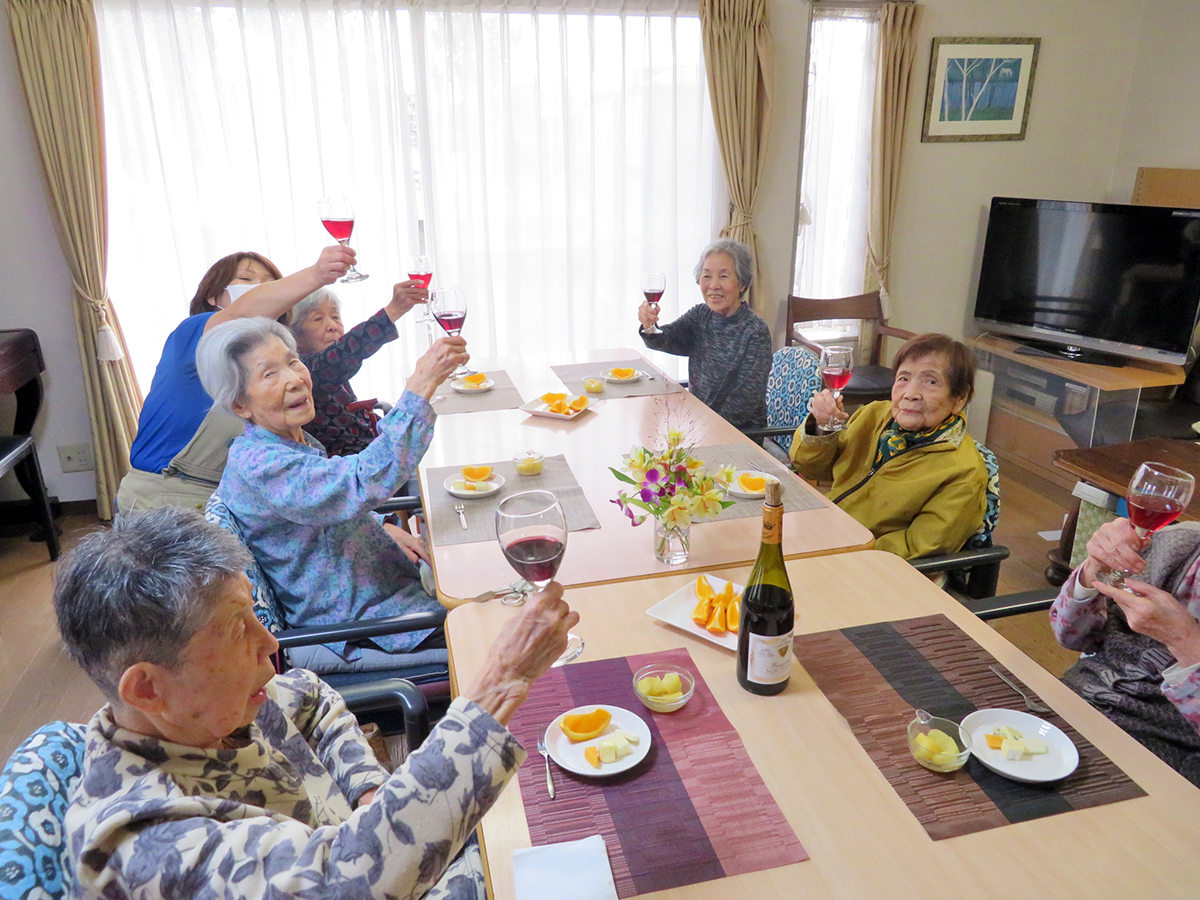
672 543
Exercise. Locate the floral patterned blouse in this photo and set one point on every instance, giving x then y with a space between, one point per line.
341 431
308 520
276 818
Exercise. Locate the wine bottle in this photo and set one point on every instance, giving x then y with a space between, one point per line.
765 636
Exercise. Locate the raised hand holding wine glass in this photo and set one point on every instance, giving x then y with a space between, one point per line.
449 307
1157 495
837 364
337 215
653 285
532 530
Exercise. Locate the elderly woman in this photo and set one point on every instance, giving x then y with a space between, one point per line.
207 775
1141 646
334 356
308 518
179 451
727 345
906 469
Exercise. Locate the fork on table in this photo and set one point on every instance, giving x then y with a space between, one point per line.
545 755
1031 705
461 510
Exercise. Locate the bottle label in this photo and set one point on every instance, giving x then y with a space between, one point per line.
772 530
770 658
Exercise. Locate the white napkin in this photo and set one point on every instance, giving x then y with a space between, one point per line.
572 870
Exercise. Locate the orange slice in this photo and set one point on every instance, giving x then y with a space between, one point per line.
726 596
579 404
477 473
623 373
477 378
703 589
733 614
700 613
592 755
585 726
716 621
751 483
551 399
560 407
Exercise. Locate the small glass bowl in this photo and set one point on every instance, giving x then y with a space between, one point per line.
936 761
593 385
686 682
529 462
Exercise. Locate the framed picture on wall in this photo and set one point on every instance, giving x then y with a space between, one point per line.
979 89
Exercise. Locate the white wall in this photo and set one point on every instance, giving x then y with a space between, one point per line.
36 290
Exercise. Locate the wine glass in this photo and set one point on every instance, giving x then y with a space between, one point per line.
653 285
420 268
449 307
1157 495
338 218
836 365
532 530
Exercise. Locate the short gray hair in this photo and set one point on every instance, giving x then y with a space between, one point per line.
140 591
305 307
743 262
219 356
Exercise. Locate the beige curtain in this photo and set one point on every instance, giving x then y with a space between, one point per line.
893 87
59 61
740 62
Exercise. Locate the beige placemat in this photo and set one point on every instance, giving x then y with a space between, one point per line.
796 497
503 395
480 512
653 380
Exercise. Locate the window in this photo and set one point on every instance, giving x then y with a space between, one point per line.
548 158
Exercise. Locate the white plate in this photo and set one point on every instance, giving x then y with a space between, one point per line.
637 375
570 756
1059 760
735 488
495 481
677 610
464 387
539 408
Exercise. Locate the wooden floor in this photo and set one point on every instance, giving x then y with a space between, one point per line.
40 683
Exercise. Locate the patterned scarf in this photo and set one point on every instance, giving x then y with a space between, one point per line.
895 440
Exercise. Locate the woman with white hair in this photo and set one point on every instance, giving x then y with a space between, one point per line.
207 775
306 517
727 344
334 356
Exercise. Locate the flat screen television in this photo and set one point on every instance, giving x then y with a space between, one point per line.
1078 278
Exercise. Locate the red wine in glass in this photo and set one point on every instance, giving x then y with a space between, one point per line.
340 229
451 320
338 218
449 306
835 377
536 557
837 365
1157 495
653 286
1152 513
423 277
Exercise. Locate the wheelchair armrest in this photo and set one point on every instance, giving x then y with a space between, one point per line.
1012 604
398 504
776 431
390 695
360 630
964 559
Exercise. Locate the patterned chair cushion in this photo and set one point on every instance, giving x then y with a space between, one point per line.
266 607
983 537
34 789
795 377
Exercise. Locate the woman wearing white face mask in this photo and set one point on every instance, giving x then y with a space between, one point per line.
179 452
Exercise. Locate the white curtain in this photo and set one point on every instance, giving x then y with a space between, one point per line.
831 249
547 158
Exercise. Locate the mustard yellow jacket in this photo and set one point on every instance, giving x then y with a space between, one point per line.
924 501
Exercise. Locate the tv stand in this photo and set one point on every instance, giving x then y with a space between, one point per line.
1048 350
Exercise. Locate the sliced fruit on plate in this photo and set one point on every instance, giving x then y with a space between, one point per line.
702 610
703 589
477 378
585 726
559 407
579 404
477 473
716 619
479 486
592 755
552 398
623 373
733 614
751 483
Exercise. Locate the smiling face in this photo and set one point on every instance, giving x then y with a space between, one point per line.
218 686
278 390
719 284
249 271
321 328
921 393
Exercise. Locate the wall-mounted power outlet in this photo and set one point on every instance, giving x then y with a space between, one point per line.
76 457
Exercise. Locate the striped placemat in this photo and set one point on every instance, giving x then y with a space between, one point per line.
876 675
695 809
503 395
744 455
655 383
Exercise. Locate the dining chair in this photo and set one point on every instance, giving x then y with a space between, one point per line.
868 382
795 376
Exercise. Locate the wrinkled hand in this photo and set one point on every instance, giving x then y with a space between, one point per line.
825 410
1156 614
405 296
446 355
647 316
1116 545
524 650
333 263
414 548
